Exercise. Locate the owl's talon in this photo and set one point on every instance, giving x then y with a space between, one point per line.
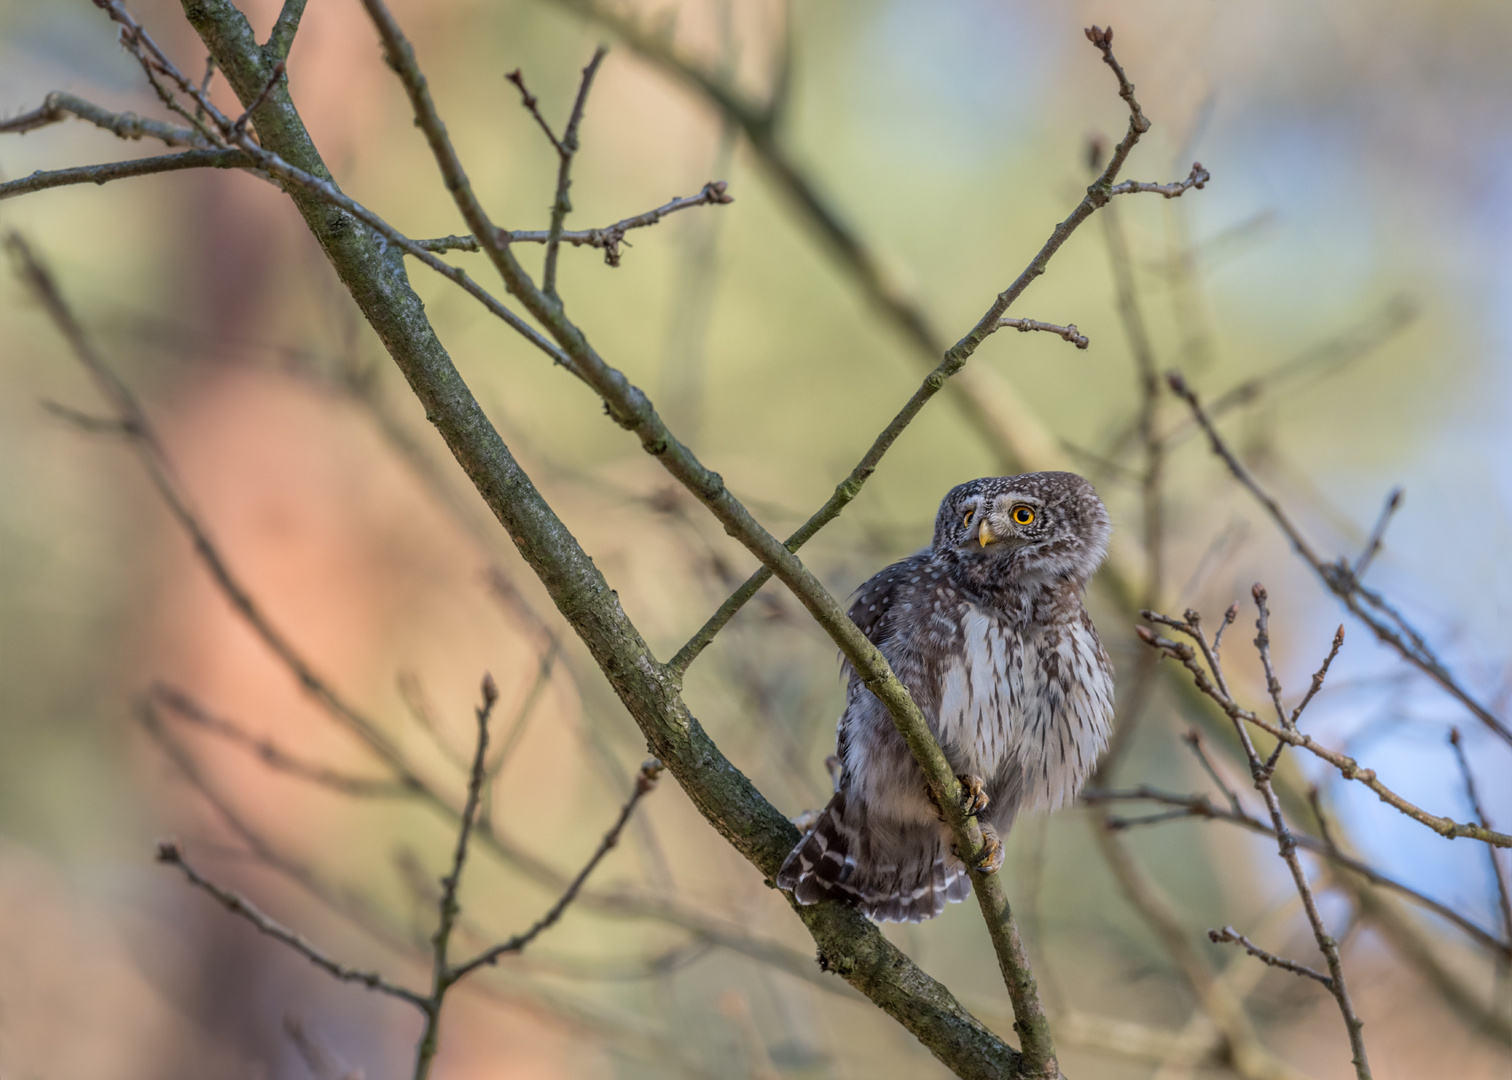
973 795
992 852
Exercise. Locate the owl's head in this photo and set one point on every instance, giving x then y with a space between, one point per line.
1035 526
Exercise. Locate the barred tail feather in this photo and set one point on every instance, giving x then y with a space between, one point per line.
833 861
823 863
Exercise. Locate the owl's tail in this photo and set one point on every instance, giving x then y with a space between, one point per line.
909 882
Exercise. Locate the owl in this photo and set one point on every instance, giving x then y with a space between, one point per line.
987 630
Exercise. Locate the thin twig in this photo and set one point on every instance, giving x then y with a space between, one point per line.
609 238
1319 676
1197 178
150 451
154 60
1229 616
170 853
644 784
1193 739
239 125
1377 534
1498 871
567 149
204 86
1201 808
1069 332
1340 580
271 754
441 972
59 106
42 180
532 106
1348 767
1152 447
1286 843
954 360
1228 935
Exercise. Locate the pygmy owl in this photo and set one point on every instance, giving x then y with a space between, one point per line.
987 630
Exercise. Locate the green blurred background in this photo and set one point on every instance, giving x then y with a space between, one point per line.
1357 222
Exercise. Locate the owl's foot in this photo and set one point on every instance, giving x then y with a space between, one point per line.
992 852
973 795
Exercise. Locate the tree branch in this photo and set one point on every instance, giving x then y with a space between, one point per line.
1498 871
608 238
1228 935
1348 767
721 793
58 106
282 38
447 906
170 853
1261 772
645 783
567 149
1198 806
1388 625
273 756
1198 179
41 180
1068 332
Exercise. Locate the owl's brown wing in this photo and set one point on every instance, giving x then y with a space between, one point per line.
875 599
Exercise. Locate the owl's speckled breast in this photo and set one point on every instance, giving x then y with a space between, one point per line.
1030 709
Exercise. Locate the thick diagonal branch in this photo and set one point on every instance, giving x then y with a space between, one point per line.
376 281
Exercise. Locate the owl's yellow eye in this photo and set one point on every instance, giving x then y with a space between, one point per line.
969 515
1023 515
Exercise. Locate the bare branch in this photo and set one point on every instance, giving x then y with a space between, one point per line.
1262 772
58 106
608 238
1228 935
271 755
566 150
1069 332
1319 675
1498 871
954 360
644 784
152 455
169 852
1377 534
1198 179
1229 616
239 126
42 180
282 38
532 105
1193 738
1218 1001
449 908
1348 767
1387 624
1199 807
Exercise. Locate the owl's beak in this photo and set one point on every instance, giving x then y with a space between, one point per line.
985 533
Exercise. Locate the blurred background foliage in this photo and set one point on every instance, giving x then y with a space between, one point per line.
1357 221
